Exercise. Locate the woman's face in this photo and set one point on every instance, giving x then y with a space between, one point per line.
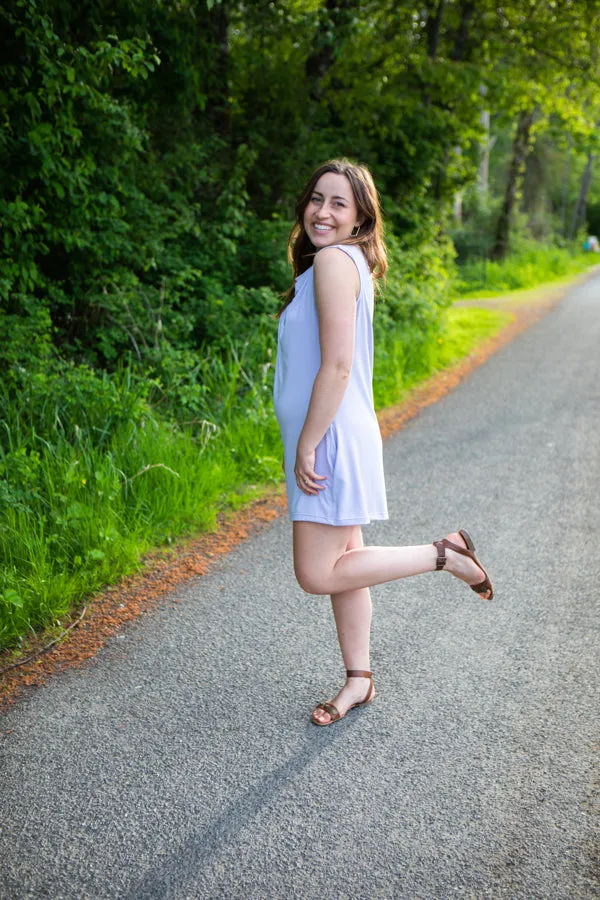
331 213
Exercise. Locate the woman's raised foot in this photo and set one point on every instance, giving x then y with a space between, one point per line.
465 566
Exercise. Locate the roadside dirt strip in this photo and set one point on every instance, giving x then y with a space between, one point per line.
163 570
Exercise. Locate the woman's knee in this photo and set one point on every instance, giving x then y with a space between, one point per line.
310 581
317 548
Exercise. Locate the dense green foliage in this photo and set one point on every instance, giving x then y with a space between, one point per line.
150 155
150 152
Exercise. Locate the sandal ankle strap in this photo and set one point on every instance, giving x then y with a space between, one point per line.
358 673
440 562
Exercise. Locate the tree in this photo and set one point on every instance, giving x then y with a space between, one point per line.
547 61
520 148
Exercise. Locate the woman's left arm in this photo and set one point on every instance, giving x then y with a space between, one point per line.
337 285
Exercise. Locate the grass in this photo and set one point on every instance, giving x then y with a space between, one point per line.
530 267
78 511
466 328
408 359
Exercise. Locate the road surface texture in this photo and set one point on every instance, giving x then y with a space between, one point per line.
181 762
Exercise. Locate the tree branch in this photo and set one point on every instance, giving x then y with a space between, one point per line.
47 647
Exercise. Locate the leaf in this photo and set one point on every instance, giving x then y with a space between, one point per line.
76 510
12 598
95 554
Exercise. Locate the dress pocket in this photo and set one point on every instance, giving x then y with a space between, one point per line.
325 456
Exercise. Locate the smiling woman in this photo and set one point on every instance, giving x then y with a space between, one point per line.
339 203
323 398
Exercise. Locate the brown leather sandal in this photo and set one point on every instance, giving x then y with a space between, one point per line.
444 544
333 711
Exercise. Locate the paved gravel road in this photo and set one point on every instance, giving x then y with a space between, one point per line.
181 763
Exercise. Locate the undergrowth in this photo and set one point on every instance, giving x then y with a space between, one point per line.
528 267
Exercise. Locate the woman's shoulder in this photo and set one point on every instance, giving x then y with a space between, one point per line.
350 267
355 253
329 261
352 250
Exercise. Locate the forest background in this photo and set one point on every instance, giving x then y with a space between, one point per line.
150 155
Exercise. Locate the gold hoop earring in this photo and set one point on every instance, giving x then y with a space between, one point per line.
354 233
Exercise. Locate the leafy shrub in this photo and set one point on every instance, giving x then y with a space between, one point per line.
69 402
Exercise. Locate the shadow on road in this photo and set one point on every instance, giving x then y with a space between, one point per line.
175 870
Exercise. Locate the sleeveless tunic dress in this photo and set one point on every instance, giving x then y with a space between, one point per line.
350 453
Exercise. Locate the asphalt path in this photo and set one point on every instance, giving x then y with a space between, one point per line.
181 762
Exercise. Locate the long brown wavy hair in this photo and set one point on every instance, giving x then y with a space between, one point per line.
301 249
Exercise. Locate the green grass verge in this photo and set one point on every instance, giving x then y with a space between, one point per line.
531 267
408 359
467 326
80 511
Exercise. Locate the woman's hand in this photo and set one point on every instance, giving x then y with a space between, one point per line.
304 470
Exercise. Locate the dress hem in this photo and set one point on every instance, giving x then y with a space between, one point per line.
340 522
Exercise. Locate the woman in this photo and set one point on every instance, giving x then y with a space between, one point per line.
324 405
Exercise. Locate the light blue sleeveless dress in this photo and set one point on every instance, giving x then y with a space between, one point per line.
350 453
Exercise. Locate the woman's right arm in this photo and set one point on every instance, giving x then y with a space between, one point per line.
337 285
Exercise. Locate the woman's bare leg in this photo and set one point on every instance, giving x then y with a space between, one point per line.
324 565
352 611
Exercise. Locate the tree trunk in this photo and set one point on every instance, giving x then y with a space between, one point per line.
580 207
458 207
333 19
565 189
216 21
460 52
462 48
483 170
432 27
521 147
